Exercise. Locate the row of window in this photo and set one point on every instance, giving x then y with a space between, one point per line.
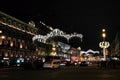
15 43
17 25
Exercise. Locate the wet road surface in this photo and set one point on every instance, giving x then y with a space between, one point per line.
64 73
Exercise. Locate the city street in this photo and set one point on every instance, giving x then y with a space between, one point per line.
63 73
79 40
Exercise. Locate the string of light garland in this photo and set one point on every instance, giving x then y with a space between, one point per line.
55 32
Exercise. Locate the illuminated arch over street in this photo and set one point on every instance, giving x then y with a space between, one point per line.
56 32
89 51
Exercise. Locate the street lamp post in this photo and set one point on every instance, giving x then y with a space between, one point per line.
104 36
104 44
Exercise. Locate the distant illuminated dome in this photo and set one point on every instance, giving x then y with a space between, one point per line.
32 23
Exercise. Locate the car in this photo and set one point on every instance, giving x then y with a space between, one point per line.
52 64
74 63
63 63
84 63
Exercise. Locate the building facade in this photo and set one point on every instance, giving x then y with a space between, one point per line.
115 47
16 37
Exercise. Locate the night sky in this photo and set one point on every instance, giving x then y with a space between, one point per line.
87 17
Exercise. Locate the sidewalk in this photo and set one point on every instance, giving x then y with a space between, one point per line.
10 68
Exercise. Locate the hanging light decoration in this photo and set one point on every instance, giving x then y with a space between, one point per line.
55 32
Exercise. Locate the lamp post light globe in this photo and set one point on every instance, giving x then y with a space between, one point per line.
103 30
103 35
0 31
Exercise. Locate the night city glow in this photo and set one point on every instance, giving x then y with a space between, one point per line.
59 40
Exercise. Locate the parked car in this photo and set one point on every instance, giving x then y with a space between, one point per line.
52 64
84 63
63 63
74 63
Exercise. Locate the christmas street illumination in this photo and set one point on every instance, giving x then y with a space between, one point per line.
104 45
55 32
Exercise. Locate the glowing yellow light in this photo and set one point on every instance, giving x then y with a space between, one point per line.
3 37
0 31
54 49
103 35
11 44
103 30
21 46
53 53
